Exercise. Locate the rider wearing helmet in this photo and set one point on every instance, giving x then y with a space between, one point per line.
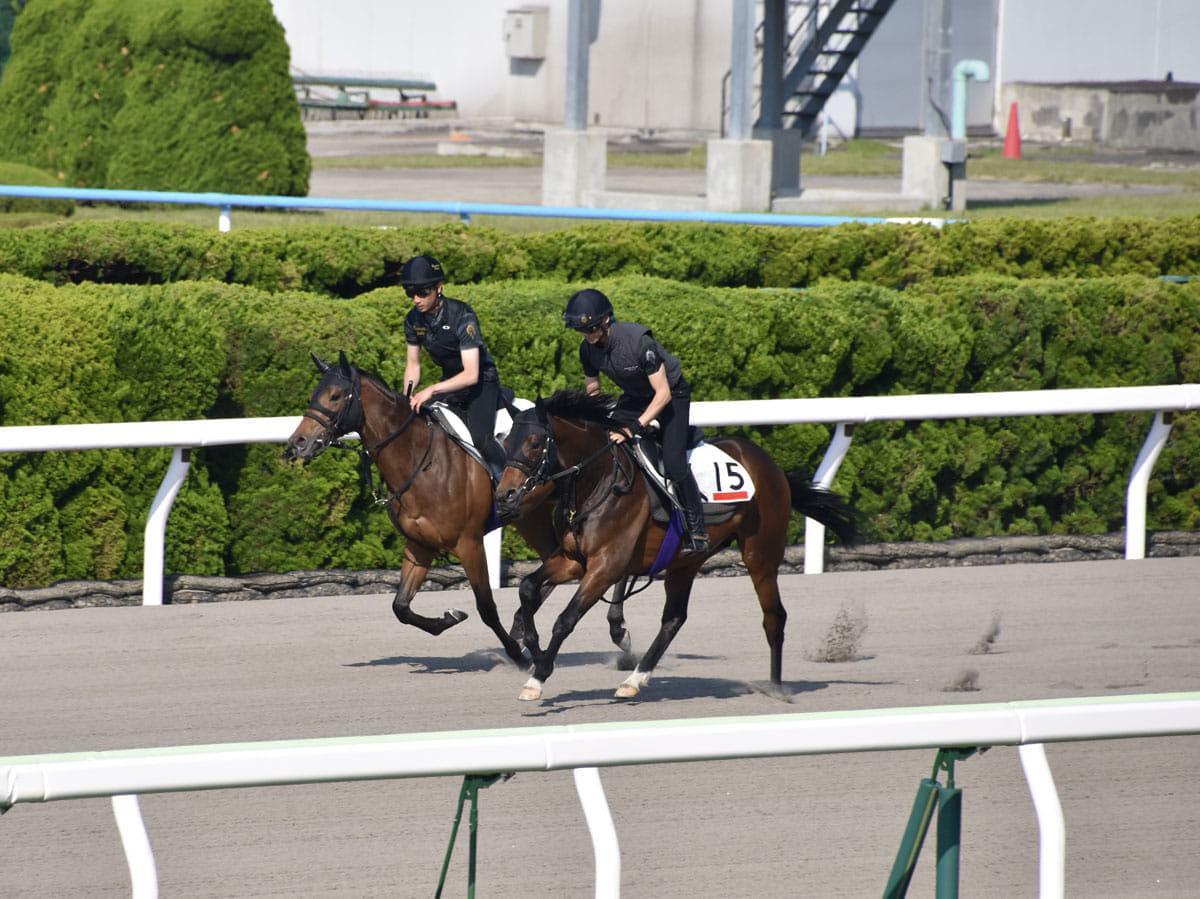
653 387
449 330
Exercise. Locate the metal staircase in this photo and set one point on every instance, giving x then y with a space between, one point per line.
823 39
823 60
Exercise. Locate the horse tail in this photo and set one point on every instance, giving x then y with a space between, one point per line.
824 505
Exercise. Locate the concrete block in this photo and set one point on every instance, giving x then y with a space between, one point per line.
934 169
738 178
574 165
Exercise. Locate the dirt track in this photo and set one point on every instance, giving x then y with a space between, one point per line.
818 826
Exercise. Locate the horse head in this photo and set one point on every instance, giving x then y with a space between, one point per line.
530 458
334 409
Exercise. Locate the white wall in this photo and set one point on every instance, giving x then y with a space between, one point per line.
657 64
457 44
1102 40
653 65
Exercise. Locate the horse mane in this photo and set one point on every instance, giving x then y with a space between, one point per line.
377 379
579 405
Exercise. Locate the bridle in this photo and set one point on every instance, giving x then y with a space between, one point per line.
538 474
349 417
336 423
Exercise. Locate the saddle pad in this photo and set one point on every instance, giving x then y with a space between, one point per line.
455 424
721 478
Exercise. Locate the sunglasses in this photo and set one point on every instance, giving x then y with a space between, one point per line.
419 291
590 329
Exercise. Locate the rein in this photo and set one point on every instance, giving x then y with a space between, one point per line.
365 461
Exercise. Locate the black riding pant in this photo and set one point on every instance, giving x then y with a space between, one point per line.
673 425
478 404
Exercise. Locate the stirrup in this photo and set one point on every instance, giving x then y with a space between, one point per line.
695 546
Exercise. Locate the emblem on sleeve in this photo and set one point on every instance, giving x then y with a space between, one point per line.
472 333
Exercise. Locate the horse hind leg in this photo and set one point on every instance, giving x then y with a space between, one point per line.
763 556
678 586
617 629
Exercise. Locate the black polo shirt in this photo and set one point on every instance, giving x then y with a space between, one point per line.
446 334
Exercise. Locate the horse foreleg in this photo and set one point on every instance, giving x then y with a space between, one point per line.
543 662
616 626
412 575
675 610
591 586
474 562
517 631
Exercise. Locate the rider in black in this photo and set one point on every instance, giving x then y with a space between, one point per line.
653 387
448 329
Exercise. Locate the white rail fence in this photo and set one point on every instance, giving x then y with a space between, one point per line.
583 748
843 412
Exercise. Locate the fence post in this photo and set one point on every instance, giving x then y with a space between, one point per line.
156 526
814 531
1135 493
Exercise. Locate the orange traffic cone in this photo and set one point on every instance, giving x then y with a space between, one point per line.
1012 137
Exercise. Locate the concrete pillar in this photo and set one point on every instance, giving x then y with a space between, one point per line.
934 169
739 175
786 144
574 165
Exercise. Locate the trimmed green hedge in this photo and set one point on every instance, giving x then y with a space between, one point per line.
154 95
24 175
90 352
348 261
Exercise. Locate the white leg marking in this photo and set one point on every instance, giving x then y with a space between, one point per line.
633 684
531 690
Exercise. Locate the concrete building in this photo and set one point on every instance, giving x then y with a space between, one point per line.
663 66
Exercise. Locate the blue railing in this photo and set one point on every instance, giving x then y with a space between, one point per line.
227 202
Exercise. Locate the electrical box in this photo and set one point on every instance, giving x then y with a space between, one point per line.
525 32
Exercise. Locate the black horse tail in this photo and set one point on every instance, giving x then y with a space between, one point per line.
821 504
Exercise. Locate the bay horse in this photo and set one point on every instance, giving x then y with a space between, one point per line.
441 499
561 449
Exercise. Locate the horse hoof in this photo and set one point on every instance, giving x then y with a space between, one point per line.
531 691
454 616
633 684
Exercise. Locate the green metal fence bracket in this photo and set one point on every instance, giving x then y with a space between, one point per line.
947 802
472 784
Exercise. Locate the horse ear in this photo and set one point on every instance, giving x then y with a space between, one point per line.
322 366
343 363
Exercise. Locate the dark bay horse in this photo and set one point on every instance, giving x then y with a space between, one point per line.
561 449
440 498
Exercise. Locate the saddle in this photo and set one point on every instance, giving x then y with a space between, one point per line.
718 506
449 420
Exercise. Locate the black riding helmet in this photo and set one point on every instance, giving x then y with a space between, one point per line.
587 309
420 272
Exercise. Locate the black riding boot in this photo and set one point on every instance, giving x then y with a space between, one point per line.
493 453
693 515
